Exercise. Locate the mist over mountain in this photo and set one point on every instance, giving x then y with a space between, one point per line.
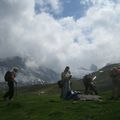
93 67
31 74
81 71
27 74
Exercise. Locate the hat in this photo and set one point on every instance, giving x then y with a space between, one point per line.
15 69
67 67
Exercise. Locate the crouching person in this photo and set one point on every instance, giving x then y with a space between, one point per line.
90 87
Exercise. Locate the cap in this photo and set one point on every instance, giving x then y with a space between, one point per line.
15 69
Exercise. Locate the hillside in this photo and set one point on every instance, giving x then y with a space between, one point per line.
103 80
32 106
41 102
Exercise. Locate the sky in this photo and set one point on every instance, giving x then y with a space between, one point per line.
59 33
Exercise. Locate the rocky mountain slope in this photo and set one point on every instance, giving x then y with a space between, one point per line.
27 75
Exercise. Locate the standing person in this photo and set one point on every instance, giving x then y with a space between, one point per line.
10 79
115 75
65 76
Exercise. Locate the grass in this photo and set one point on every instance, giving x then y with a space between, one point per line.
29 106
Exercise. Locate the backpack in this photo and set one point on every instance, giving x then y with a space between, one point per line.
87 79
118 71
7 76
72 95
60 83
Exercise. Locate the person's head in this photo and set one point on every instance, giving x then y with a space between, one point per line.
67 68
118 67
15 69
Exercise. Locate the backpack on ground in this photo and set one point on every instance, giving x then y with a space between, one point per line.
7 76
72 95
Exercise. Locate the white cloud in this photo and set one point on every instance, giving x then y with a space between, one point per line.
53 6
99 2
94 38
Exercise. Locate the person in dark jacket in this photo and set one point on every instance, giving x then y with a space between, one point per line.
10 82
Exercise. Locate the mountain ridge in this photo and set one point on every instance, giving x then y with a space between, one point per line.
26 74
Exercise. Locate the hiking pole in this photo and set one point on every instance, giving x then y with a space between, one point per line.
16 89
94 78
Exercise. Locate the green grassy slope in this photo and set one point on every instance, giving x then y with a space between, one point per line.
32 106
43 103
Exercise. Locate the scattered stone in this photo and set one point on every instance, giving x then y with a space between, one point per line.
90 97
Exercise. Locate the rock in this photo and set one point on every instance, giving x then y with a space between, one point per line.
90 97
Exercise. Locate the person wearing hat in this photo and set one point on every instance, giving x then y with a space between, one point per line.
10 79
66 76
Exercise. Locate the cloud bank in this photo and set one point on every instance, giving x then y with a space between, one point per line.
44 40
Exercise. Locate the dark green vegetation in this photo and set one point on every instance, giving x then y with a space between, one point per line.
36 105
